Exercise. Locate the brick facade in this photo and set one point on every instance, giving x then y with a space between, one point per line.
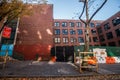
109 28
58 26
38 33
35 32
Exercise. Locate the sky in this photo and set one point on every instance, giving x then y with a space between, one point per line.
71 9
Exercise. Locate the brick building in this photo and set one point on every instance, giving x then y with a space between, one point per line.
38 33
72 32
34 36
109 31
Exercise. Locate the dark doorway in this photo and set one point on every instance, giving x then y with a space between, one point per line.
63 53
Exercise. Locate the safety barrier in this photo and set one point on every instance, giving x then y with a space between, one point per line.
109 55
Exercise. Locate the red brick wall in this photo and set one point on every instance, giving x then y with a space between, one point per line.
112 29
30 51
35 32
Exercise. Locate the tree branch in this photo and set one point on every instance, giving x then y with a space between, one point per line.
9 20
97 11
8 12
82 13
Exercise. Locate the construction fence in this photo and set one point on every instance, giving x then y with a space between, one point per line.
104 54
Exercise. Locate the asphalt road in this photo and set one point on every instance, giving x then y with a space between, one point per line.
44 68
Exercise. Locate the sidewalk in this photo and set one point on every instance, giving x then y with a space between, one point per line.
44 68
109 68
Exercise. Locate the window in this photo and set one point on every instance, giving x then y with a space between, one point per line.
116 21
93 31
56 24
64 31
79 31
92 25
109 35
72 40
99 30
64 24
97 24
117 32
57 40
78 24
72 31
90 39
80 39
101 38
65 40
95 39
72 24
107 26
57 31
111 44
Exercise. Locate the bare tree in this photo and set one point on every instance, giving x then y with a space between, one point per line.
88 20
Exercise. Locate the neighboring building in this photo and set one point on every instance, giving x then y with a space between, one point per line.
72 32
109 31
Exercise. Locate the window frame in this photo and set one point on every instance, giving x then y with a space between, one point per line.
81 40
108 36
71 24
80 31
57 40
65 31
72 32
102 38
64 24
116 21
95 39
57 31
65 40
56 24
117 31
93 31
73 40
92 25
78 24
98 24
107 26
